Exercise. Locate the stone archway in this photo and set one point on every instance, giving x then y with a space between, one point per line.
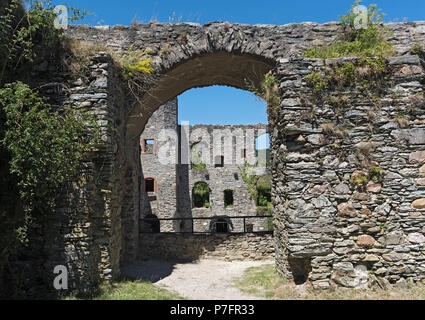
217 68
214 68
321 222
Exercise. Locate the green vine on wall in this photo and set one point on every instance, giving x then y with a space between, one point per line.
28 35
269 92
250 179
40 148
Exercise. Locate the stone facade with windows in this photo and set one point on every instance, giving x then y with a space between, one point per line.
168 190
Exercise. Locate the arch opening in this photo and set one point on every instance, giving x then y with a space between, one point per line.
201 195
237 70
220 68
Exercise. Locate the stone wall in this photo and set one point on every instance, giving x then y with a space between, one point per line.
330 229
194 247
163 201
84 234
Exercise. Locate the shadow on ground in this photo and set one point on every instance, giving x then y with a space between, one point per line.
152 270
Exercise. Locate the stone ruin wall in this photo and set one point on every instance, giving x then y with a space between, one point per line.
326 232
192 247
336 234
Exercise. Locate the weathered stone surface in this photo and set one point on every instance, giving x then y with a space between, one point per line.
347 209
373 187
405 60
393 238
422 171
419 204
394 257
420 182
345 267
342 188
317 139
194 247
410 136
416 238
365 241
417 157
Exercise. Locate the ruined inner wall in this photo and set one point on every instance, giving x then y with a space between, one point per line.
193 247
212 142
162 201
326 231
172 196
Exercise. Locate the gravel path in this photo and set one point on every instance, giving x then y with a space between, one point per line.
202 280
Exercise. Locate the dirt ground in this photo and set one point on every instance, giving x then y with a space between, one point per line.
202 280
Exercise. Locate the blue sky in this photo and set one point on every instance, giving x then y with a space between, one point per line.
223 105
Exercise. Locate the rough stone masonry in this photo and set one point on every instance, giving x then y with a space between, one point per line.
328 231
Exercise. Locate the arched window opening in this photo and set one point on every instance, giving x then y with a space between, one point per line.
201 195
221 225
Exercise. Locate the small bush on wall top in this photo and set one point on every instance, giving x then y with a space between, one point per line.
357 42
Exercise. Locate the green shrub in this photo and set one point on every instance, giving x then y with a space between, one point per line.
201 195
30 35
45 146
269 92
367 73
316 81
357 42
375 174
418 50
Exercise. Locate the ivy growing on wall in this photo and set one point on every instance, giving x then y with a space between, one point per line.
45 146
40 148
269 92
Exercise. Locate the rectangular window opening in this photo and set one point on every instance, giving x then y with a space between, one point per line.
149 185
228 198
219 162
148 145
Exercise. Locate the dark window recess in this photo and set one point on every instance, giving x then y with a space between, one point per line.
149 185
219 161
244 154
207 177
228 198
149 145
152 223
221 226
300 268
236 177
182 226
201 195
